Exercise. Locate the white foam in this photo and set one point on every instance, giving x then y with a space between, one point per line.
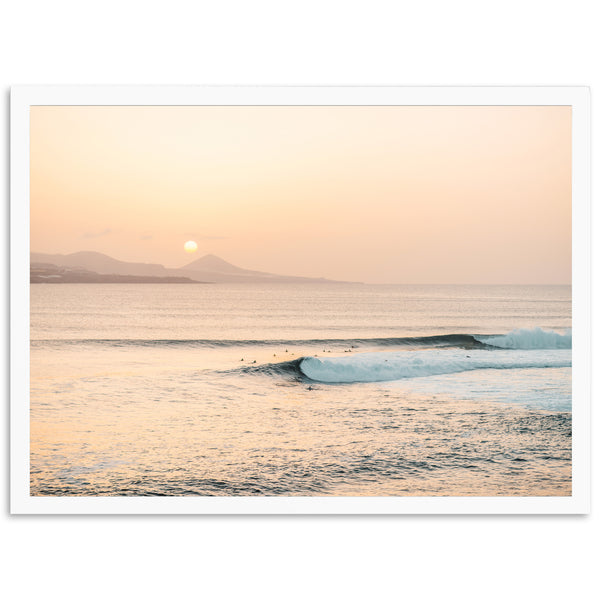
389 366
545 389
529 339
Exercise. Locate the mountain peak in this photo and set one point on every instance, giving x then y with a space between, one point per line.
210 262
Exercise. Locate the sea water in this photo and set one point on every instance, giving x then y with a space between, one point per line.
312 389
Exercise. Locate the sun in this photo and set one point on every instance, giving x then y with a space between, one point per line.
190 246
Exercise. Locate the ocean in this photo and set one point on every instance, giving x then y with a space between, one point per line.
300 390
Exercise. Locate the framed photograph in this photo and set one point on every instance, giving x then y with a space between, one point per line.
339 300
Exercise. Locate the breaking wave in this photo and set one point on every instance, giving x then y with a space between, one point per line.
419 356
529 339
389 366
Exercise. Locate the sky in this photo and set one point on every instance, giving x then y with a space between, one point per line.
379 194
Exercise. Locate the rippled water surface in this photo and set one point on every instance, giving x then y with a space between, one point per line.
210 390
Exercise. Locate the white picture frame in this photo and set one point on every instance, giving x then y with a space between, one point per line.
24 97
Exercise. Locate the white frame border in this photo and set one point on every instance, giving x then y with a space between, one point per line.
23 97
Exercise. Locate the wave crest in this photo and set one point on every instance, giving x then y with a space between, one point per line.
529 339
389 366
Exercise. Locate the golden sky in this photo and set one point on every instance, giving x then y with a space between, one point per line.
374 194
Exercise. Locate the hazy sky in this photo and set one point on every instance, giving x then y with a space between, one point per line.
374 194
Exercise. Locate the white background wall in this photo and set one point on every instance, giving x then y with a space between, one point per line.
311 42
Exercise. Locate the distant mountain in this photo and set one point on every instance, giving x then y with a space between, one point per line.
213 268
208 269
213 263
99 263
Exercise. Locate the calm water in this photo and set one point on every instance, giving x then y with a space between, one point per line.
300 390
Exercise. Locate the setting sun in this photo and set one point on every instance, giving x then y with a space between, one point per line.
190 246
